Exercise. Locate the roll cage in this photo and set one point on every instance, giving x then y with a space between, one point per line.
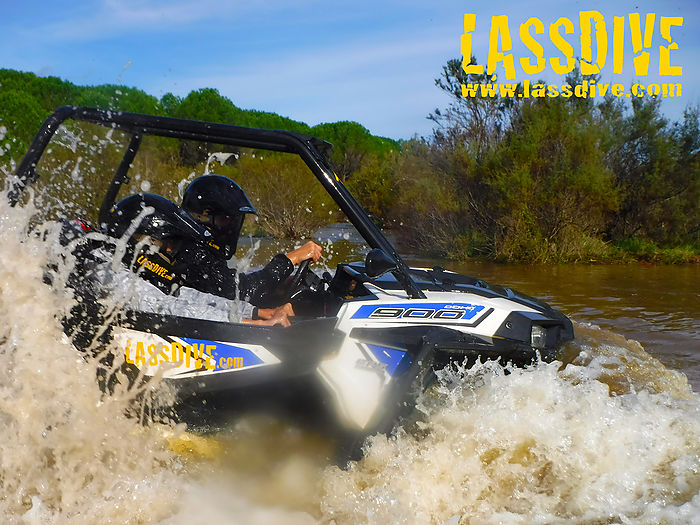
310 149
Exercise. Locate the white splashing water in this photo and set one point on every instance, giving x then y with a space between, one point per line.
68 455
611 438
530 446
220 157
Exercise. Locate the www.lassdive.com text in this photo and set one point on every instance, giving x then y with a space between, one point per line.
585 89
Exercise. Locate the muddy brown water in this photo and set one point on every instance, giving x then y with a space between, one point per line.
613 437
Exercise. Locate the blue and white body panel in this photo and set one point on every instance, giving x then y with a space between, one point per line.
360 374
367 358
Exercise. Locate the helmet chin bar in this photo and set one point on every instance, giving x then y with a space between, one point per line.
227 243
226 240
228 237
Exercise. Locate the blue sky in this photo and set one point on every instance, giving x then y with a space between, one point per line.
313 61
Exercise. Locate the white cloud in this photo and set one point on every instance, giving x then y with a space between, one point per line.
157 11
85 23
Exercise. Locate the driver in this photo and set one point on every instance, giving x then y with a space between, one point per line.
159 236
220 205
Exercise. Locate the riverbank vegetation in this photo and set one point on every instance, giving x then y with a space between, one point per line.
508 179
549 179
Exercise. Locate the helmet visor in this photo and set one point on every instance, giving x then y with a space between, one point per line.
226 222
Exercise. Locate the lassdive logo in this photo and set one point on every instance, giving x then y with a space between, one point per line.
600 44
154 267
592 24
422 311
144 353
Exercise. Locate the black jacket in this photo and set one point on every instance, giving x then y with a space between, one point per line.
198 267
195 266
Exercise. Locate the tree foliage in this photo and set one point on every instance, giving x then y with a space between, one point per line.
354 146
543 179
510 178
657 171
28 99
289 202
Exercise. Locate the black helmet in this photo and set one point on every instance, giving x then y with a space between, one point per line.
220 205
154 216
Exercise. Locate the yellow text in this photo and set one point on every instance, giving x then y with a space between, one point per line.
593 28
140 353
154 267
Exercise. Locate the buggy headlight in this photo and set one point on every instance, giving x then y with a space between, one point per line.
538 337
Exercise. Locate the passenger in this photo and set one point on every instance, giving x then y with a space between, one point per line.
160 239
220 205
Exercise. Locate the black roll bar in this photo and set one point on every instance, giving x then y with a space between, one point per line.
120 177
309 148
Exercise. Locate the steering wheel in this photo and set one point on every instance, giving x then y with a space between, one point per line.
296 279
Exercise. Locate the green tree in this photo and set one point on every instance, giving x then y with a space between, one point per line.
352 145
290 202
681 206
656 171
549 184
374 184
170 104
475 124
425 203
21 115
209 105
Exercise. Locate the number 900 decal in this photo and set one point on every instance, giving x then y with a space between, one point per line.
438 311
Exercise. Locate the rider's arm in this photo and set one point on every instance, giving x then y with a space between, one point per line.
310 250
204 271
272 316
256 286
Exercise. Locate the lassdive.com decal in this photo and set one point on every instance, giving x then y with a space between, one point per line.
608 34
423 311
146 350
